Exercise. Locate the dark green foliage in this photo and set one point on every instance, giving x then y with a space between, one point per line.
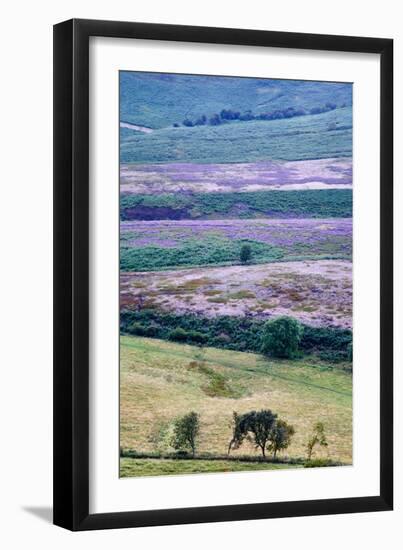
281 337
228 332
280 436
189 336
324 203
334 356
320 463
332 345
246 253
350 351
143 330
186 430
227 115
255 426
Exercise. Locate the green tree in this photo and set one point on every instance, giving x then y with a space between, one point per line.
246 253
255 426
280 436
186 430
281 337
318 437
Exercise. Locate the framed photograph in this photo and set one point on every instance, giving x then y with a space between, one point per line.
223 321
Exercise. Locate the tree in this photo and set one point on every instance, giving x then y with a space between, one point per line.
215 120
245 253
281 337
318 437
255 426
280 436
186 430
201 121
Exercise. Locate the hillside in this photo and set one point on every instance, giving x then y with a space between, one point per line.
162 380
176 97
325 135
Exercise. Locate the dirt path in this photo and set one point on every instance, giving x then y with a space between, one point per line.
136 127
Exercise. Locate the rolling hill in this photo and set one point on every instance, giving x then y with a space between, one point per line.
176 97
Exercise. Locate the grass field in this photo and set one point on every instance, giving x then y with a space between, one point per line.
327 135
130 467
161 381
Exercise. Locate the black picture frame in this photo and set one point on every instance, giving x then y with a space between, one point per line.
71 274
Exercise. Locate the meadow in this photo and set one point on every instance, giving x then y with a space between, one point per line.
161 380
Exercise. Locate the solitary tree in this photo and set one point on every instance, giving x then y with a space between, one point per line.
280 436
281 337
246 253
318 437
186 430
256 426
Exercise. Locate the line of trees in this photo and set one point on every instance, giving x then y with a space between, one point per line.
228 115
262 428
242 334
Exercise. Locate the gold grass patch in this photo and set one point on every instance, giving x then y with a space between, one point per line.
162 380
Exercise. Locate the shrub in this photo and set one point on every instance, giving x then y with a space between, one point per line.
178 335
186 430
215 120
192 336
245 253
229 332
350 351
318 437
143 330
280 436
281 337
318 463
333 356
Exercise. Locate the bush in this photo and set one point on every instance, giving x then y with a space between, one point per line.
318 463
185 432
178 335
227 332
143 330
281 337
191 336
245 253
333 356
350 351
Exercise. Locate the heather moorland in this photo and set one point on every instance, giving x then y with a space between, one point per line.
235 274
